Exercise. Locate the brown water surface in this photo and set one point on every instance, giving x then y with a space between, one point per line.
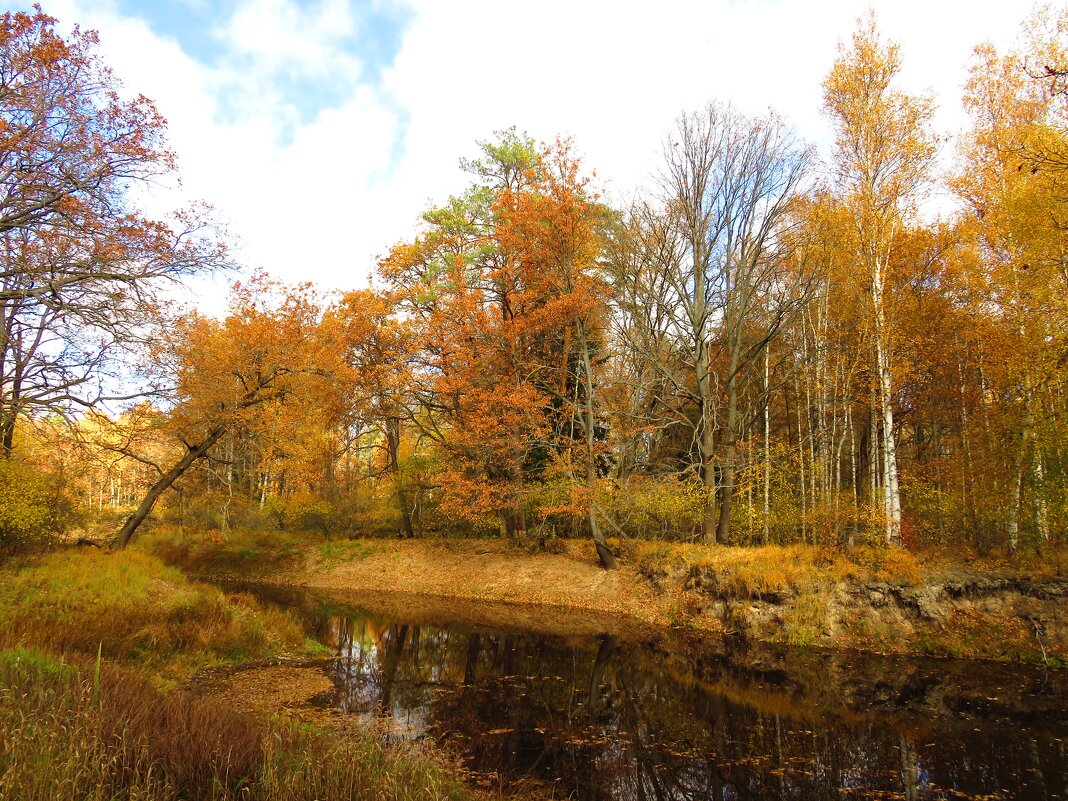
557 702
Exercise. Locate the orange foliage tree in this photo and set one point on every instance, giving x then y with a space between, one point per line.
80 266
503 289
267 351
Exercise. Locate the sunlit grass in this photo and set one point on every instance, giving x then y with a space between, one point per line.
134 608
747 572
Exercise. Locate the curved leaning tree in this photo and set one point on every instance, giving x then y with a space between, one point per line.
82 267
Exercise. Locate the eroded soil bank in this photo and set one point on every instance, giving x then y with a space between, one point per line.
800 596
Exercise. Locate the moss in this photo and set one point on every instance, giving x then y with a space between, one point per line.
343 550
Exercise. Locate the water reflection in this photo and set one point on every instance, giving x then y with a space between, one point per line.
606 718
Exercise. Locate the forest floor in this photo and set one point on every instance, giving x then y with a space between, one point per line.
934 603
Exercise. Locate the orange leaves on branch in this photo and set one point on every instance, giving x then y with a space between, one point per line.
495 288
267 349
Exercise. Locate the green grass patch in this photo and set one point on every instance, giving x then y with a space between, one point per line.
132 607
343 550
20 664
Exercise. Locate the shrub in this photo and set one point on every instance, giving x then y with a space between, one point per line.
33 509
306 511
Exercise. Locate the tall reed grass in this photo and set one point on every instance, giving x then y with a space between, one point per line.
69 734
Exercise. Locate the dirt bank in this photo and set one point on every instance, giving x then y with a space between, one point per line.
802 596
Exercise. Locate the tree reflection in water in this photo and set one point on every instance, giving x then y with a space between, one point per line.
607 719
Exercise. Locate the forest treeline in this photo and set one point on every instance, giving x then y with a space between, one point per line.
765 347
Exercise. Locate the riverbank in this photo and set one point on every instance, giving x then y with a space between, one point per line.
569 716
97 653
122 677
873 600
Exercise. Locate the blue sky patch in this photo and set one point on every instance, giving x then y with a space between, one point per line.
197 26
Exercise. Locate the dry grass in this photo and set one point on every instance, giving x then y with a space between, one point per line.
748 572
112 735
245 552
74 730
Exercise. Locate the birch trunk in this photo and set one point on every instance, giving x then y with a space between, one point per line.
801 463
891 496
767 444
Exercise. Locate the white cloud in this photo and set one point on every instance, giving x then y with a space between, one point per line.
319 198
281 35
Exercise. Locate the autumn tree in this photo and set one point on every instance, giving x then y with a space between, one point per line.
882 158
712 287
81 268
265 352
378 377
469 302
553 231
1013 186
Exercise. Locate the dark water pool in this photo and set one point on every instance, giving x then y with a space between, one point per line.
571 713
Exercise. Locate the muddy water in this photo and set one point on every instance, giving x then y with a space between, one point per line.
561 709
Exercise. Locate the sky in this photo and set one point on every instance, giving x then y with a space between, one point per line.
320 130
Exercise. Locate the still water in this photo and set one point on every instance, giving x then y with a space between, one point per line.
548 704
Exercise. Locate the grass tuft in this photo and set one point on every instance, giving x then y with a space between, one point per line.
129 606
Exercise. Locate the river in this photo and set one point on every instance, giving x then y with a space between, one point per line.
568 706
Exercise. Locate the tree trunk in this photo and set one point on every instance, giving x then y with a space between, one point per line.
515 522
726 490
767 443
8 428
1041 510
404 521
1012 524
801 463
193 452
706 449
604 553
850 541
11 411
891 496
